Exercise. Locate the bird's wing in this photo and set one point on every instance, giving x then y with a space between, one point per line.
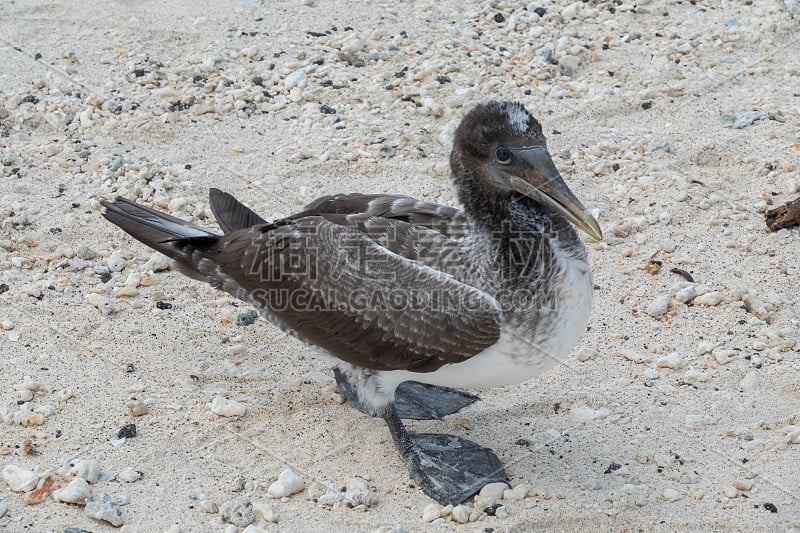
350 284
442 218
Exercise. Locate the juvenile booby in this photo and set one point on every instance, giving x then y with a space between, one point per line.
411 297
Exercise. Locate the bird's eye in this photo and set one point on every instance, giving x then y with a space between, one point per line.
503 154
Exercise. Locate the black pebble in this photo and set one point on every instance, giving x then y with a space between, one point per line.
647 105
139 72
75 530
128 431
163 305
491 511
770 507
327 110
55 230
3 288
187 167
499 17
522 442
443 79
247 318
615 166
105 276
37 55
540 11
258 80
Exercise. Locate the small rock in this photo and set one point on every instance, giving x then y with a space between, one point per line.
672 360
748 118
636 357
104 510
18 479
461 514
357 492
128 431
743 485
247 318
115 262
490 495
129 475
724 356
709 299
585 353
671 495
686 294
315 490
517 493
756 306
431 512
730 492
288 483
330 497
156 263
568 66
77 491
177 205
265 511
225 407
207 506
236 513
658 307
298 78
138 408
3 508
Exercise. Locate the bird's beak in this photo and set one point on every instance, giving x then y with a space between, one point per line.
537 177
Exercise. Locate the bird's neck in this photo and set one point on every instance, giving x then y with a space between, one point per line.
506 213
525 235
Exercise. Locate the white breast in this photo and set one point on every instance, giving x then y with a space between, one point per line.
522 353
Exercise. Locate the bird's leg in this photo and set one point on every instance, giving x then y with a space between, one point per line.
413 400
449 469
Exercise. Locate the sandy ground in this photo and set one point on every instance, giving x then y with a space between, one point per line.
675 414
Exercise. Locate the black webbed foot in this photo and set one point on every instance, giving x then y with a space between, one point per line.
413 400
449 469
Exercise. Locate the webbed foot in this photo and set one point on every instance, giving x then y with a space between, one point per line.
413 400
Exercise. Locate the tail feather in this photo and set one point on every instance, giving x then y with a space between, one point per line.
154 228
231 214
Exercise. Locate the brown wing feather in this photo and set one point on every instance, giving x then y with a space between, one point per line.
362 276
335 286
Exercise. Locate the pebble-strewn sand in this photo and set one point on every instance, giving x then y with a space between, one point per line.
678 122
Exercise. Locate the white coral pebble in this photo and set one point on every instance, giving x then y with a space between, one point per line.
129 475
77 491
288 483
18 479
225 407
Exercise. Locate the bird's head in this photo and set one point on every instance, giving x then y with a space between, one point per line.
502 146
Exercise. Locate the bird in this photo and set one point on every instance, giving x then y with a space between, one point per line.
410 299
